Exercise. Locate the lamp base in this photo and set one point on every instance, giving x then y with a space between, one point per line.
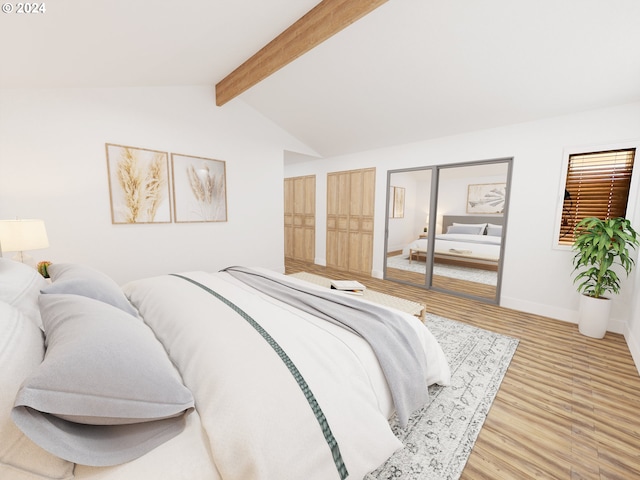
24 258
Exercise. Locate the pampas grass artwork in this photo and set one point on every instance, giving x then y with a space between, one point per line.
138 184
155 184
199 189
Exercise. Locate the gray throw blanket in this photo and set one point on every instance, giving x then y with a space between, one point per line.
394 342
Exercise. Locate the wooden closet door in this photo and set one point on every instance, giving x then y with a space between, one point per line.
337 218
350 210
300 218
361 221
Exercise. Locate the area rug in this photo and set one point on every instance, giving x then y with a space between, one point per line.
439 438
477 275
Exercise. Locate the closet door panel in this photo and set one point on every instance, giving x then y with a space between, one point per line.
350 201
366 259
298 243
288 217
369 192
344 194
355 199
299 220
309 242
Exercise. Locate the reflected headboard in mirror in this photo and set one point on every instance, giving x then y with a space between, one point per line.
448 220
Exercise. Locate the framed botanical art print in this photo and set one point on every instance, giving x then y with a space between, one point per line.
138 185
199 189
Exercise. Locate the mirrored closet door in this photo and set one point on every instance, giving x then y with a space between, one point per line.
451 237
408 225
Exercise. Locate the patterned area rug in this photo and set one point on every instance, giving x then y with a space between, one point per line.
439 438
461 273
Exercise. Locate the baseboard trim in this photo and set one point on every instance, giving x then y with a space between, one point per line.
562 314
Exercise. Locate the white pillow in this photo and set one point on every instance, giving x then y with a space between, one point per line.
88 282
21 351
472 228
494 230
20 286
106 392
468 229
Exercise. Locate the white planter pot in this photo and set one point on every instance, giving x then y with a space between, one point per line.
593 316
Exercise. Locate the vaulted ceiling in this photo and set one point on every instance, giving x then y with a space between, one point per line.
409 70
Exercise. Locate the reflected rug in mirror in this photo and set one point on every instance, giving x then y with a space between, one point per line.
439 438
477 275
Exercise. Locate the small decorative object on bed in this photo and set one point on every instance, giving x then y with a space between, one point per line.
138 185
42 268
599 245
199 189
486 198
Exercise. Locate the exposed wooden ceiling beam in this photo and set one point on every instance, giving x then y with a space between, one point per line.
321 22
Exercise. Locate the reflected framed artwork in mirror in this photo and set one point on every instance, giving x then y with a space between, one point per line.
397 197
486 198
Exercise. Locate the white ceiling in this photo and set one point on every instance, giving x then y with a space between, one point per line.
408 71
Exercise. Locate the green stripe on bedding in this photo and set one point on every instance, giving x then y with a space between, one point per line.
313 403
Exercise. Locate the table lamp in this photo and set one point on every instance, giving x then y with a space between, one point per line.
20 235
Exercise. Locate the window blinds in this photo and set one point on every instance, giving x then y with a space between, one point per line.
597 186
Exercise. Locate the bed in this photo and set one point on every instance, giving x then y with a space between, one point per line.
466 240
197 375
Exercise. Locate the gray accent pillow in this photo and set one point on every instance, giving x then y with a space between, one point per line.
88 282
106 392
21 351
494 230
466 229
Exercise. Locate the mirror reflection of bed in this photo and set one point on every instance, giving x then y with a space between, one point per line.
466 255
469 267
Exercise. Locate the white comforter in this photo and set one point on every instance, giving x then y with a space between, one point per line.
256 423
481 246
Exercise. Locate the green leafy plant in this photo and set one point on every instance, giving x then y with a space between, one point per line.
42 268
601 244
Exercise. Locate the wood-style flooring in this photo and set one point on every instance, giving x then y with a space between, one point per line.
568 407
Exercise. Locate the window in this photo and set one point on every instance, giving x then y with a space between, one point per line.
597 186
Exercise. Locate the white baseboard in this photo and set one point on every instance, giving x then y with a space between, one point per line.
535 308
562 314
615 325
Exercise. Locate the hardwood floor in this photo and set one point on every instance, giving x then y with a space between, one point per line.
568 407
452 284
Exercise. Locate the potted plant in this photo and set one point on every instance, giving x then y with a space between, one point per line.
599 245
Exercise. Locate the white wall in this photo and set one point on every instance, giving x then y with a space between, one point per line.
537 275
632 330
53 166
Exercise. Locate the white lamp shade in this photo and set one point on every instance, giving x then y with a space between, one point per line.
21 235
